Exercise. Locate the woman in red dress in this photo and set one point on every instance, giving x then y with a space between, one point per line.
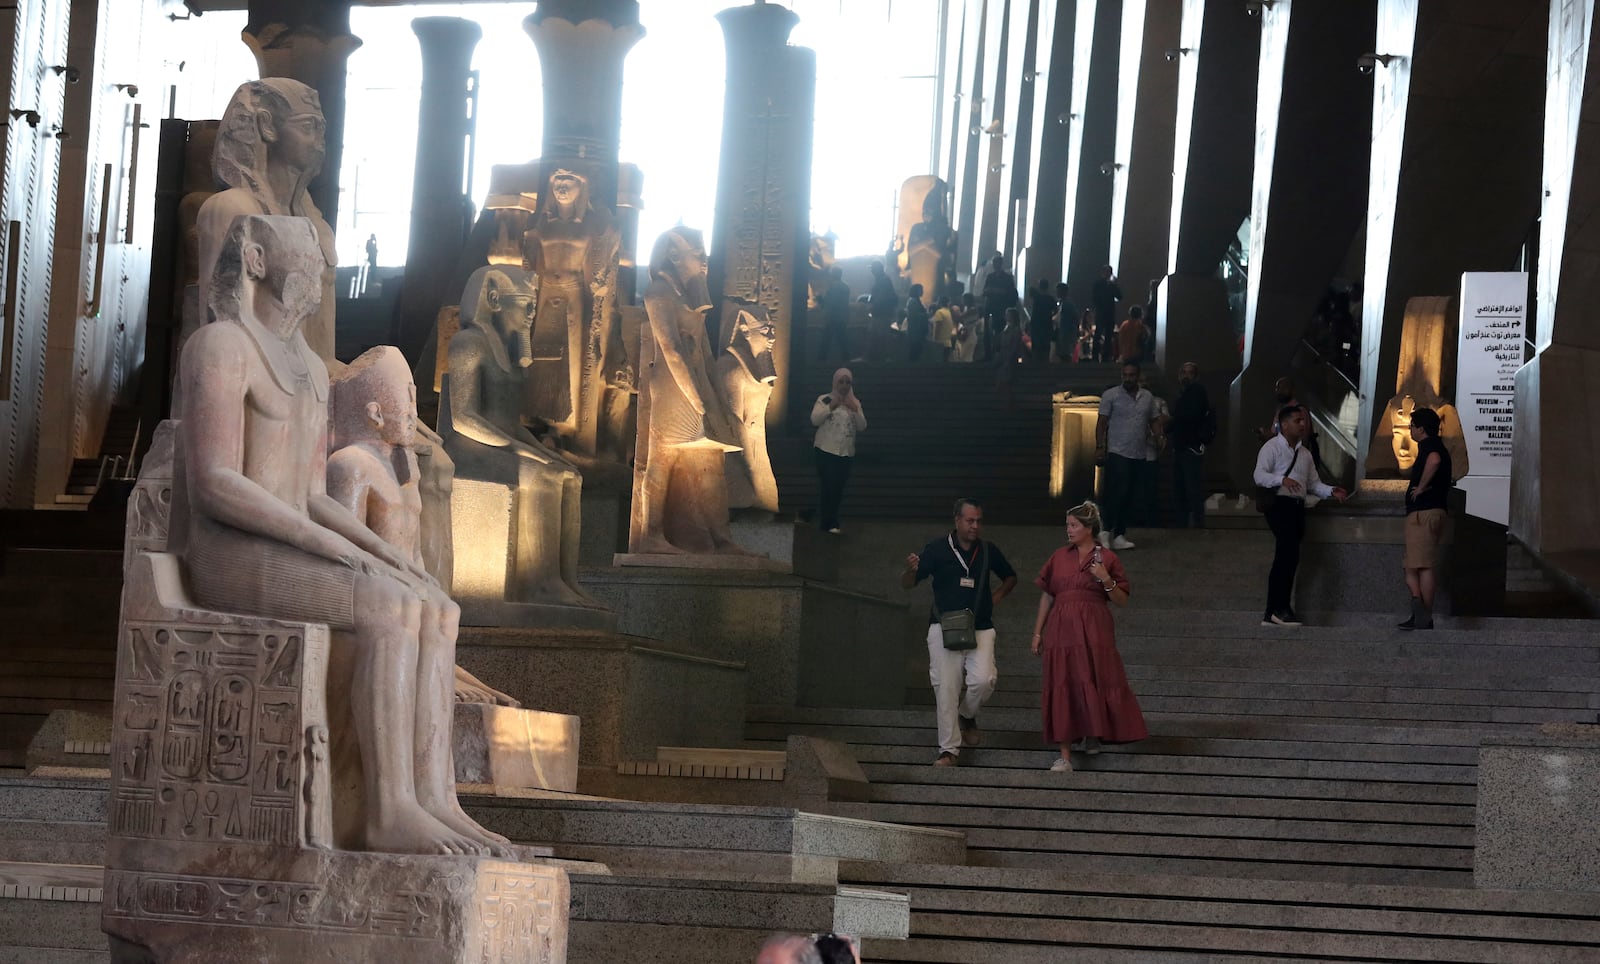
1086 696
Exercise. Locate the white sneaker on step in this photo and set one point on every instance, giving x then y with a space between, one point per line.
1062 765
1121 542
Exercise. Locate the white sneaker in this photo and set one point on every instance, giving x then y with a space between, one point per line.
1105 537
1062 765
1245 503
1121 542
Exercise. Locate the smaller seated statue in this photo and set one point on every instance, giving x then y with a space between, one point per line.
373 471
480 420
680 499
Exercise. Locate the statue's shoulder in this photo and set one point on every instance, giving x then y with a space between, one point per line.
357 461
224 206
219 339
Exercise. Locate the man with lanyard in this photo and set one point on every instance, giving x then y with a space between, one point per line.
1284 465
959 565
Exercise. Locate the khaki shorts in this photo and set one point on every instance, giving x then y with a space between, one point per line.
1424 528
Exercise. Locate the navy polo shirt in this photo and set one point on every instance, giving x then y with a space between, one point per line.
938 563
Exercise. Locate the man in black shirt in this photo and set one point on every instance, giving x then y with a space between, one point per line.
1426 500
960 564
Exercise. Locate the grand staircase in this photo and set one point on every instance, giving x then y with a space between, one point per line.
931 430
1305 794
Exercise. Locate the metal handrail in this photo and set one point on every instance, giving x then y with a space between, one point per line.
1335 368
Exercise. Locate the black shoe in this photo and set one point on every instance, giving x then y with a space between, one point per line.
969 730
1284 618
1409 624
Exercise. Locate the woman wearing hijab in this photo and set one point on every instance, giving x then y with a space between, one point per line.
838 418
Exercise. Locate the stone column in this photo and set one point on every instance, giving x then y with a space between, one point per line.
1446 197
1094 133
1147 111
439 208
1023 128
762 229
1313 118
630 201
999 120
582 44
1558 393
309 41
1047 194
979 43
1213 151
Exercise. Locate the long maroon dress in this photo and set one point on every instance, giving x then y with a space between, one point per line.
1085 691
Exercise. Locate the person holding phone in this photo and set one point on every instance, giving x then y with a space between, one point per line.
1085 699
838 419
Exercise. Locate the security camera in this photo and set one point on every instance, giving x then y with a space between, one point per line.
1172 54
67 71
1109 168
1367 63
1254 8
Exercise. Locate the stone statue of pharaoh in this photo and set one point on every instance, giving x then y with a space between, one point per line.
258 534
930 246
373 471
481 422
746 374
269 147
680 501
572 247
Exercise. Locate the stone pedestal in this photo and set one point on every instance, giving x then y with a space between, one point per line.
762 231
632 694
483 518
439 209
504 748
250 906
1536 826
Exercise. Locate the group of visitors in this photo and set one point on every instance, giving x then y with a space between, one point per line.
1085 699
1134 427
989 323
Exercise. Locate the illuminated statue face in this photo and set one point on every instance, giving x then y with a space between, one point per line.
301 141
564 188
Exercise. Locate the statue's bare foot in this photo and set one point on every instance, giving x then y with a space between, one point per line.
451 815
414 831
558 593
470 689
657 545
727 547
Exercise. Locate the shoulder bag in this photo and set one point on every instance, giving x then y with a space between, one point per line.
959 627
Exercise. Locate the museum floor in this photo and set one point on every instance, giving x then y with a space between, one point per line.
1305 794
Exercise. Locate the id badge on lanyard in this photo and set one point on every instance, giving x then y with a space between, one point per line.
967 582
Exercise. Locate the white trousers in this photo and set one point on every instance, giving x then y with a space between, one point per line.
962 680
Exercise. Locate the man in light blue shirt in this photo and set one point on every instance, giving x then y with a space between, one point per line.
1285 465
1126 414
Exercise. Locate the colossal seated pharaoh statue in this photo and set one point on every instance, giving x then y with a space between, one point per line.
282 714
515 506
269 148
680 499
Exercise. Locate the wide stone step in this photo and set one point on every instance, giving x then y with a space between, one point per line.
1168 783
1443 690
687 840
1132 760
1123 823
964 914
1310 708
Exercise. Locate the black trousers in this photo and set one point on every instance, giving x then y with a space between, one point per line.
1121 482
1287 520
832 473
1188 487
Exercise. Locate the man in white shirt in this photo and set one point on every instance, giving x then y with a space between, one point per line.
1127 413
839 419
1285 466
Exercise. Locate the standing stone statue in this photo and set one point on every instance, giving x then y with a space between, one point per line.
929 254
745 375
516 499
680 501
269 147
573 247
373 471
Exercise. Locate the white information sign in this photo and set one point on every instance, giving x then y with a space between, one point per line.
1492 346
